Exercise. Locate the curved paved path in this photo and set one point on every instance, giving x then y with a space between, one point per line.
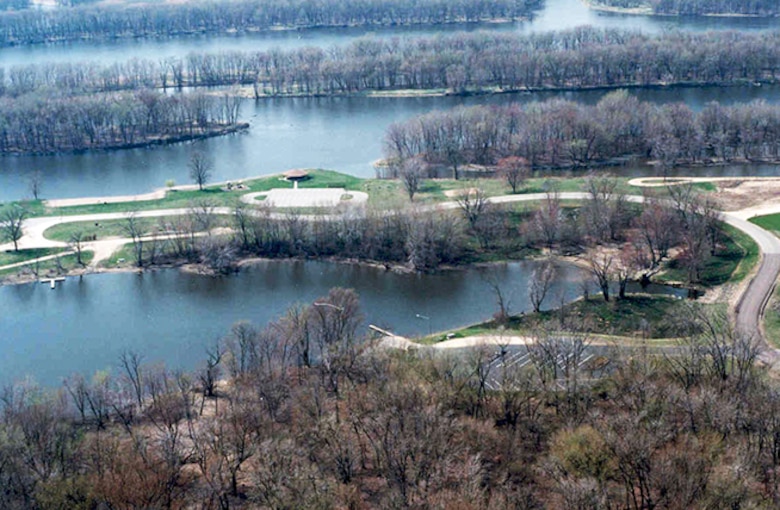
748 310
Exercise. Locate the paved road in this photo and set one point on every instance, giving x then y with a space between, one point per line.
748 311
750 306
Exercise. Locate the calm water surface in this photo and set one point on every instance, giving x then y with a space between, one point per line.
343 133
555 15
86 323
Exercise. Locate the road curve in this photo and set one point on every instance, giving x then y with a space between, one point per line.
748 310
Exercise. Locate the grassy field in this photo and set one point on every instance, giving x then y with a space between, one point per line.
636 317
383 193
115 228
772 319
50 268
732 262
770 222
13 257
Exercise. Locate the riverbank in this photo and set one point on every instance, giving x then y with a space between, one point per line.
203 134
649 11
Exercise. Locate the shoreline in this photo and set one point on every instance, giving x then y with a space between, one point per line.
222 131
648 11
270 29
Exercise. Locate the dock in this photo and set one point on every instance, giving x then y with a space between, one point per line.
53 281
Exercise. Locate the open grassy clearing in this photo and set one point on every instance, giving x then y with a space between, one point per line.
96 231
770 222
637 317
50 268
383 193
14 257
735 259
772 319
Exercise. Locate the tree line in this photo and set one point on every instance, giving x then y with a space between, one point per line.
559 133
167 19
304 413
682 230
698 8
462 63
40 124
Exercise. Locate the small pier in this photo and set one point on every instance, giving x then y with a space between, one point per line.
53 281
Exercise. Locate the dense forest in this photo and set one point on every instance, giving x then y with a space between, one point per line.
559 133
308 415
36 124
166 19
700 7
579 58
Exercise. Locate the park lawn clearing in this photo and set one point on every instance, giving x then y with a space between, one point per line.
14 257
51 268
770 222
383 193
772 319
735 259
106 229
637 317
98 230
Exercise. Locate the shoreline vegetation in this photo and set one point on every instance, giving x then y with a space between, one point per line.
217 235
34 124
170 19
307 412
674 8
459 64
565 134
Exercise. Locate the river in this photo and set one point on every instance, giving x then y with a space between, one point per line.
343 134
86 323
555 15
339 133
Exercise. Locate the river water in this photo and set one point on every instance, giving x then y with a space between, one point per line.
555 15
341 133
86 323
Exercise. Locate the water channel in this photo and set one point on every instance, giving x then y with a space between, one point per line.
555 15
86 323
342 133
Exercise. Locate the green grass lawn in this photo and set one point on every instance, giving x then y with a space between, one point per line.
383 193
633 317
770 222
13 257
100 230
772 319
735 259
49 268
116 228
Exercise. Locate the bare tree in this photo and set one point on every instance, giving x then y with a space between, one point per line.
201 167
36 184
548 220
76 242
514 170
493 277
600 266
11 220
541 281
411 176
134 230
473 203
